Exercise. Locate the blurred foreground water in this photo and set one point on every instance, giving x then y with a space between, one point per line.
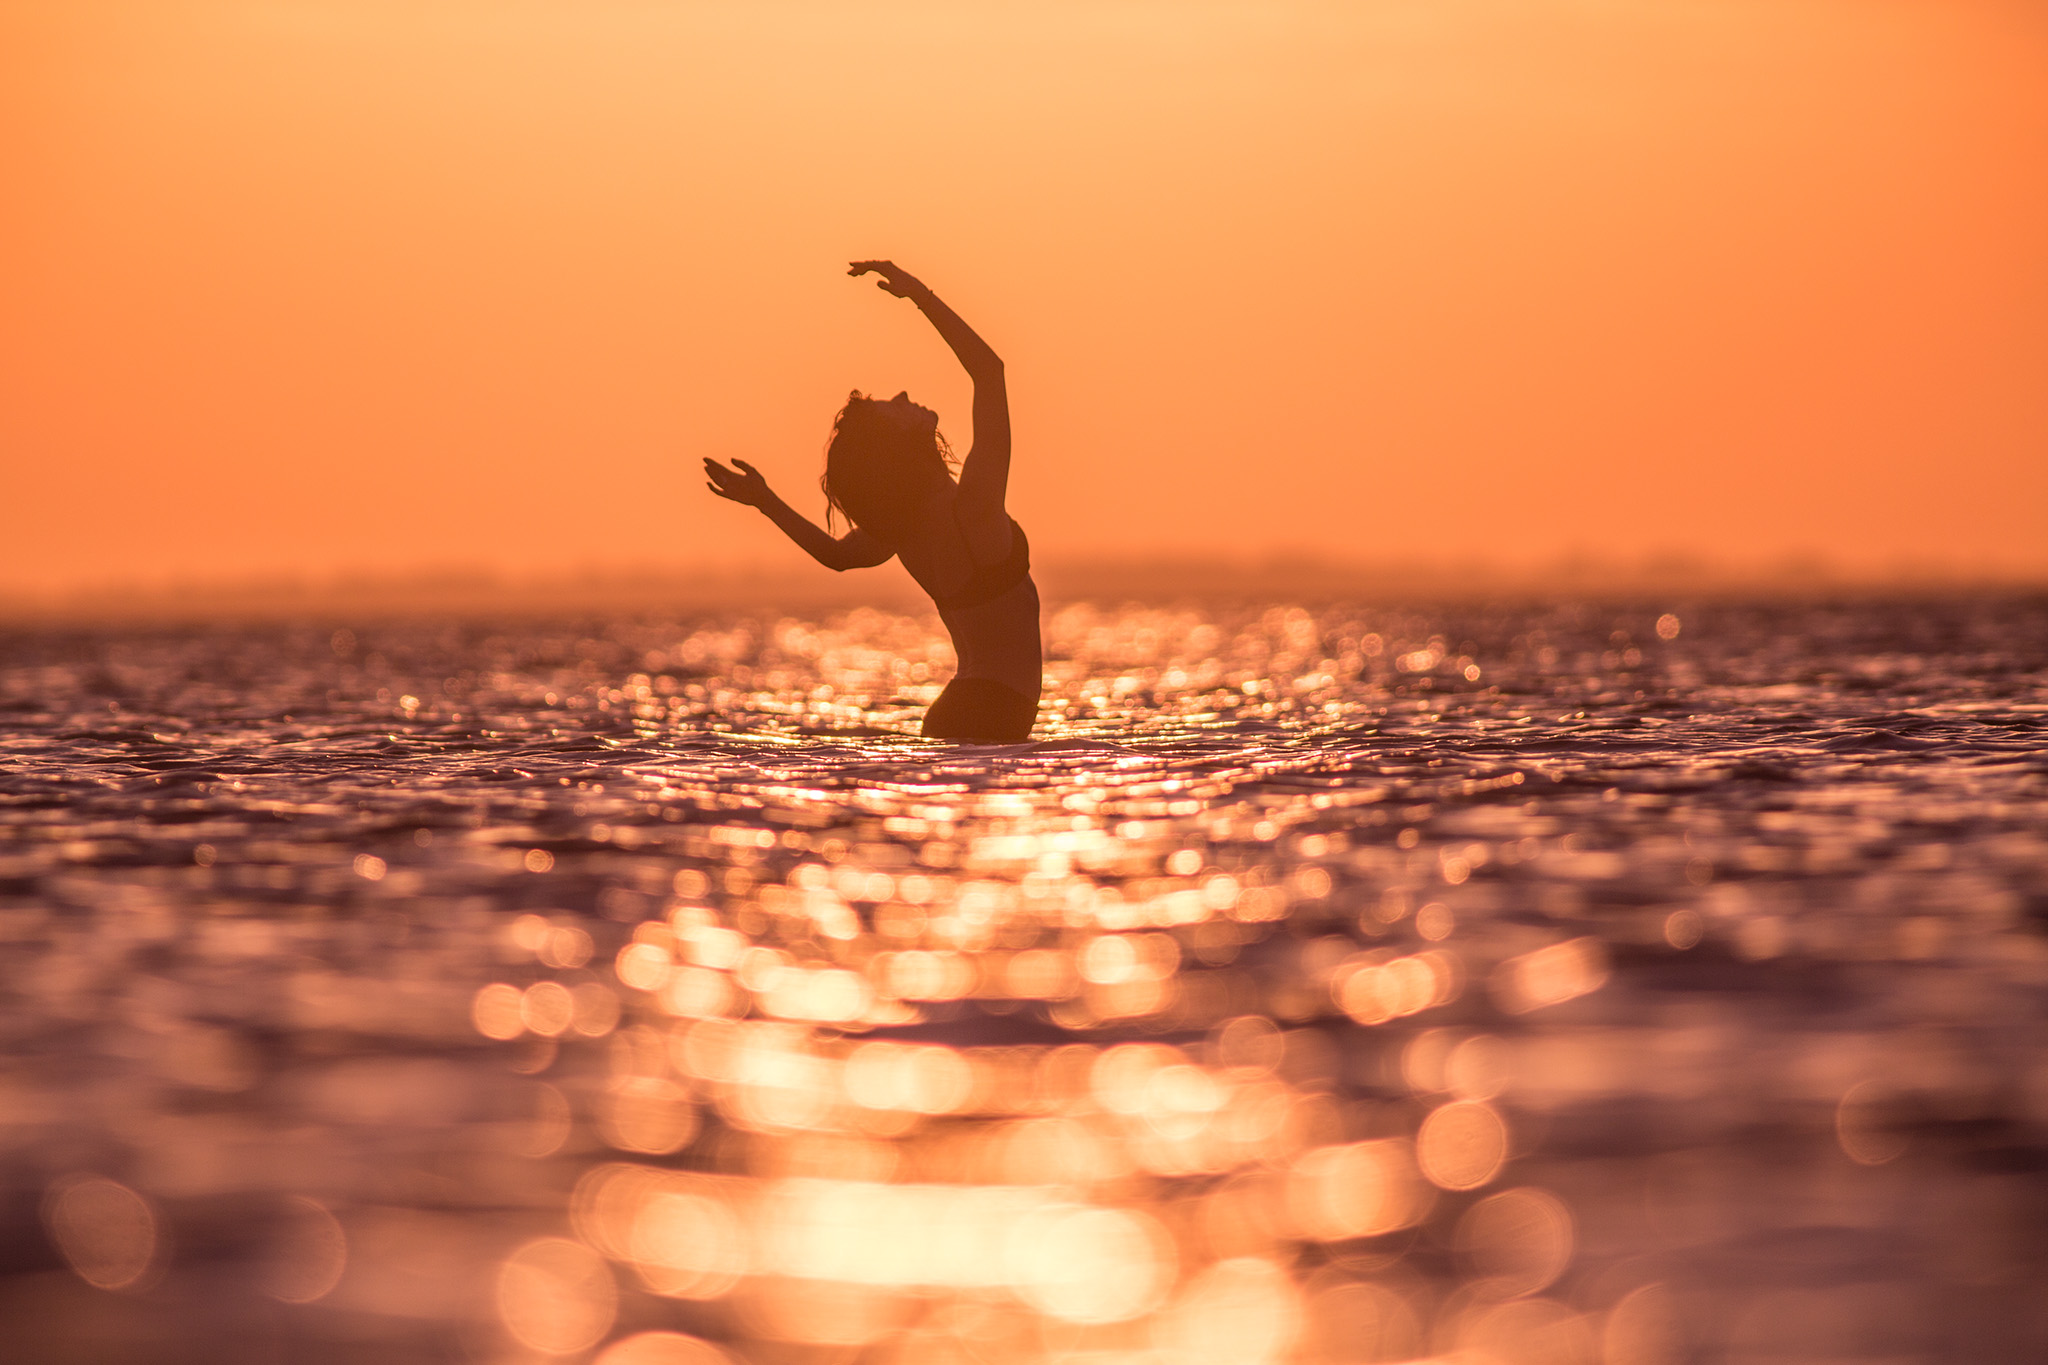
1561 983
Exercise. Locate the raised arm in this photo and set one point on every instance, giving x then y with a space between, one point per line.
985 473
744 484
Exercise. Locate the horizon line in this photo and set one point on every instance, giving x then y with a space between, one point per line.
466 589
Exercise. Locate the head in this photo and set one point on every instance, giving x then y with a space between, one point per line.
885 458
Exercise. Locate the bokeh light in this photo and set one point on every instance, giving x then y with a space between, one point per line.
110 1235
308 1256
556 1296
1462 1145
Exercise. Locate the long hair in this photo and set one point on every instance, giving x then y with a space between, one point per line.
871 465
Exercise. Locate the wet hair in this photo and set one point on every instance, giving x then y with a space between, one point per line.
870 465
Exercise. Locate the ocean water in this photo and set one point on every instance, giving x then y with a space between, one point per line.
1544 982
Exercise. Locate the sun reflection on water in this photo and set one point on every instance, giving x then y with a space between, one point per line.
1320 985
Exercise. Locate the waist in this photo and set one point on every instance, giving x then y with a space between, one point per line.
998 639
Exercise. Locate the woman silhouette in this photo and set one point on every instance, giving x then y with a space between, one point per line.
887 472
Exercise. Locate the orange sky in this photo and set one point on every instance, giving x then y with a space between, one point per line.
327 286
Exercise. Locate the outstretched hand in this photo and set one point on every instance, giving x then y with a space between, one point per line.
895 279
742 484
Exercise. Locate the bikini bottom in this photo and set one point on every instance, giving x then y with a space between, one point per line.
981 711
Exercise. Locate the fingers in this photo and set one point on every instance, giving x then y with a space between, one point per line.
888 270
742 485
895 279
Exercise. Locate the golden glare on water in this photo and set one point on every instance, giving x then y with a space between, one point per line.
308 1257
662 1348
108 1232
1861 1125
1243 1311
1364 1189
1292 1013
855 1171
1518 1241
1643 1329
852 1171
556 1296
1462 1145
1550 976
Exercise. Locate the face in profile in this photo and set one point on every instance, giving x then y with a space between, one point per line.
885 459
900 415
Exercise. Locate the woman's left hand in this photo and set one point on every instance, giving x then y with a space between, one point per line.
895 279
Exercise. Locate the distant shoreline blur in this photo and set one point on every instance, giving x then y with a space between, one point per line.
478 592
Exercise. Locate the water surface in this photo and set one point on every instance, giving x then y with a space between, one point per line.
1556 982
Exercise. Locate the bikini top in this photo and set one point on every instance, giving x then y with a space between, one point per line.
990 581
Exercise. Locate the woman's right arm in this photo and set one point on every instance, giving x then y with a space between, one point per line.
744 484
985 473
976 356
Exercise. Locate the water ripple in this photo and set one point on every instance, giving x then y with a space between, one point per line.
1328 983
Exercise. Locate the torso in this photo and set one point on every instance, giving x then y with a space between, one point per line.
985 596
998 639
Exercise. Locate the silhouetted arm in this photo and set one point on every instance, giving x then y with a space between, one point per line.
985 473
744 484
